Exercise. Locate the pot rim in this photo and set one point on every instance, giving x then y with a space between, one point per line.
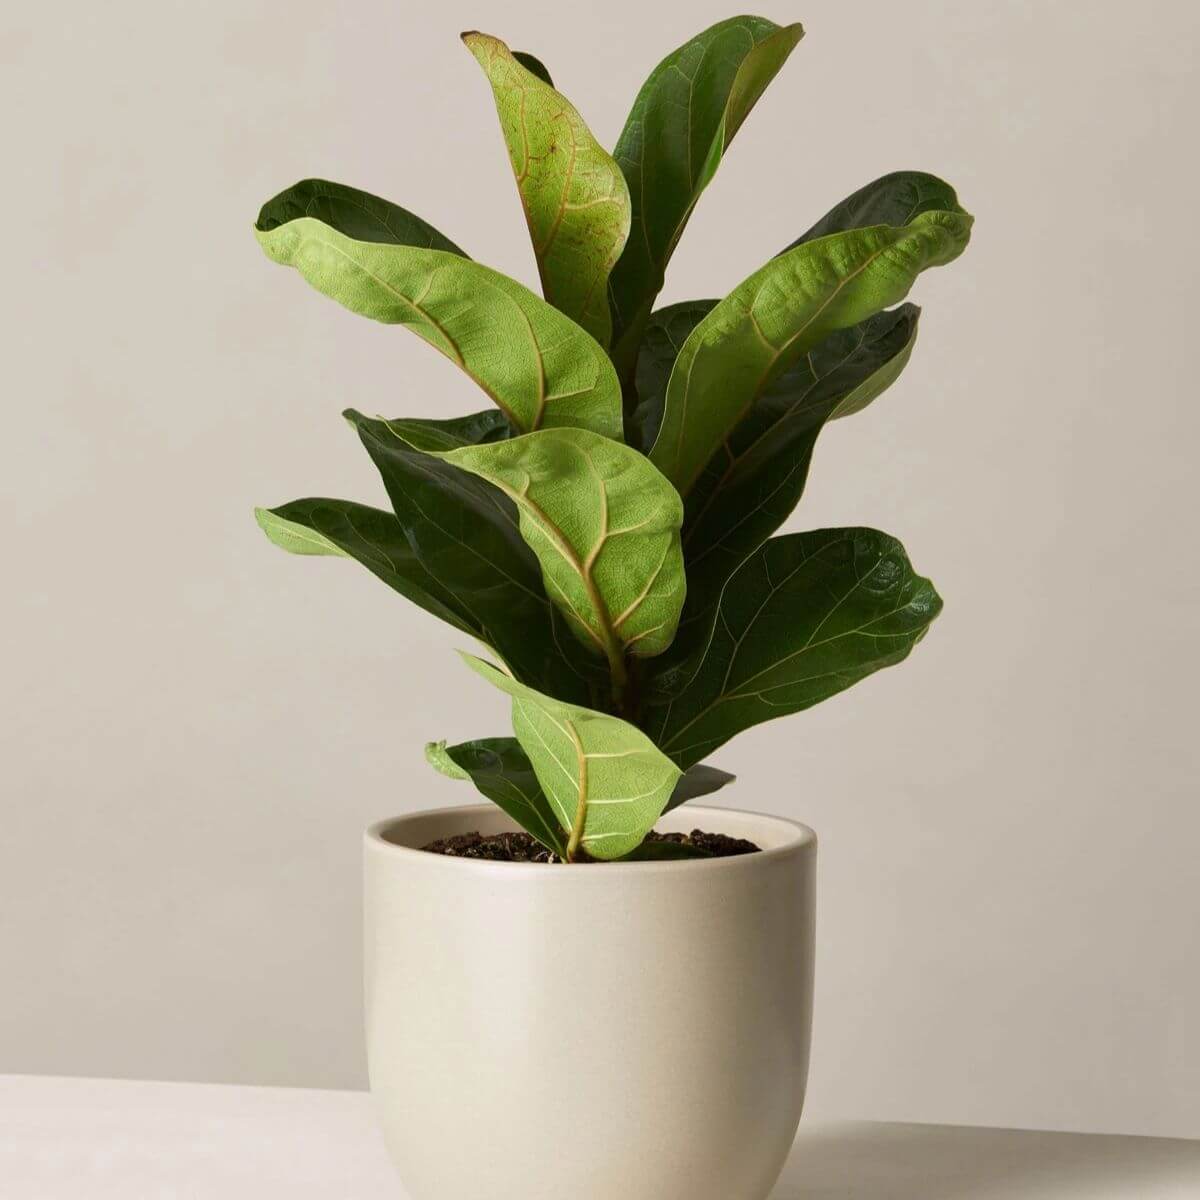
800 838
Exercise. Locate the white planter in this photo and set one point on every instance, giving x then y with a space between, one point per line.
597 1032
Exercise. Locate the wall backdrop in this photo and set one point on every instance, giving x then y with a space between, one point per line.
196 726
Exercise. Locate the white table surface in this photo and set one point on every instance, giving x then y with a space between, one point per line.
91 1139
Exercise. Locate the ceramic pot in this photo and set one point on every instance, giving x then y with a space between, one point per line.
615 1031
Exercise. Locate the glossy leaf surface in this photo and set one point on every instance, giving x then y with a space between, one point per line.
678 130
604 525
369 536
575 198
355 213
780 313
808 615
464 533
603 778
501 770
537 365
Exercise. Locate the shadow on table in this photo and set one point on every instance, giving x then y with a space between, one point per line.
938 1162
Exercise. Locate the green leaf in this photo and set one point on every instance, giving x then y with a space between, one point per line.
603 778
533 65
537 365
437 756
501 770
678 131
754 481
372 537
895 199
464 534
574 195
666 332
808 615
421 433
355 213
604 525
698 780
666 852
780 313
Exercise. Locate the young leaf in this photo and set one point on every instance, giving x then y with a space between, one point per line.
500 769
780 313
574 195
604 525
680 126
463 535
536 364
370 536
604 779
355 213
808 615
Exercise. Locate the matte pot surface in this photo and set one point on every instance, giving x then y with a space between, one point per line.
620 1031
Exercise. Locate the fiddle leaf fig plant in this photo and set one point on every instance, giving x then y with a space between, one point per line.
605 528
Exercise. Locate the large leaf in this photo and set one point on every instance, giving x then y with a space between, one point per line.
501 770
464 534
894 199
666 331
780 313
355 213
574 195
534 362
370 536
604 525
604 779
754 481
806 616
680 126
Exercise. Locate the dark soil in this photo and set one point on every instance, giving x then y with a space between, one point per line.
520 847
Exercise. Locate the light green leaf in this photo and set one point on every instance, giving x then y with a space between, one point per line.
780 313
574 195
604 779
537 365
806 616
604 525
678 131
501 770
442 762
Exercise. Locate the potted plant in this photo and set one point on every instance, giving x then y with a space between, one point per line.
614 1012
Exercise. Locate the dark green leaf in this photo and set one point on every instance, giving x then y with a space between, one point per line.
370 536
808 615
666 331
679 129
894 199
478 429
357 214
665 852
698 780
534 65
464 533
501 770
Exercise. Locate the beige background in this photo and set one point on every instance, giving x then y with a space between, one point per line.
196 727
